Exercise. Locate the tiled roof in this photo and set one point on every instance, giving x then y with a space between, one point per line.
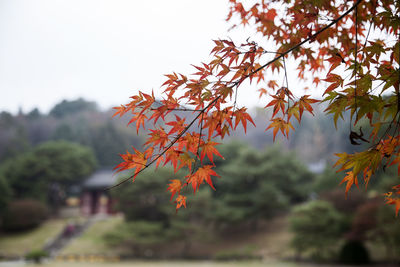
101 179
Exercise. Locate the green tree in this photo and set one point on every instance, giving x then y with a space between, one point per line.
44 172
13 136
387 232
66 107
5 196
149 220
256 185
317 228
148 199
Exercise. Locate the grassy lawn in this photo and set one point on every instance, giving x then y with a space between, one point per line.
91 241
270 243
19 244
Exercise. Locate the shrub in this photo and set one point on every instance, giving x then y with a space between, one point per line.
354 252
24 214
317 227
246 253
365 219
387 232
347 205
36 256
141 237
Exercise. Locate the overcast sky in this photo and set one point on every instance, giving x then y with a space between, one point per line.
102 50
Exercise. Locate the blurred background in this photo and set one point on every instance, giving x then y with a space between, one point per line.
64 64
274 201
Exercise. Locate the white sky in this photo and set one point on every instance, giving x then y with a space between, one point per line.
102 50
107 50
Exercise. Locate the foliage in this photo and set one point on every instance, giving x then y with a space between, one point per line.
13 138
141 236
354 252
66 107
147 201
365 220
317 228
271 177
43 172
5 195
387 232
347 205
86 126
24 214
36 256
270 182
362 82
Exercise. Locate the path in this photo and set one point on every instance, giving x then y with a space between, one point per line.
69 233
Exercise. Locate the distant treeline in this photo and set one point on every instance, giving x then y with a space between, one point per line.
81 121
77 121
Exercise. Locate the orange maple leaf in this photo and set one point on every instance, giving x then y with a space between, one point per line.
203 174
351 179
180 201
305 103
135 161
396 202
139 118
157 137
174 187
209 149
242 116
282 125
278 102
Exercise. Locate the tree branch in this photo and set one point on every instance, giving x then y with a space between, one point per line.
202 111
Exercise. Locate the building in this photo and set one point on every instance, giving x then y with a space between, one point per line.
95 198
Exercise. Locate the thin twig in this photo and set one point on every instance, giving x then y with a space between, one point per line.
180 109
198 145
355 68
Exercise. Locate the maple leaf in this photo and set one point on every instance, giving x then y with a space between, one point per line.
335 61
396 202
396 161
262 91
185 160
121 110
139 118
177 126
294 111
180 201
278 102
174 187
351 179
272 84
282 125
172 155
271 14
209 149
203 174
242 116
304 103
335 81
157 137
135 161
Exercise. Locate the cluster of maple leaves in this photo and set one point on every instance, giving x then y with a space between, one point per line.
323 37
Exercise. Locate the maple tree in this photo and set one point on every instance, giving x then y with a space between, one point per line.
350 47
